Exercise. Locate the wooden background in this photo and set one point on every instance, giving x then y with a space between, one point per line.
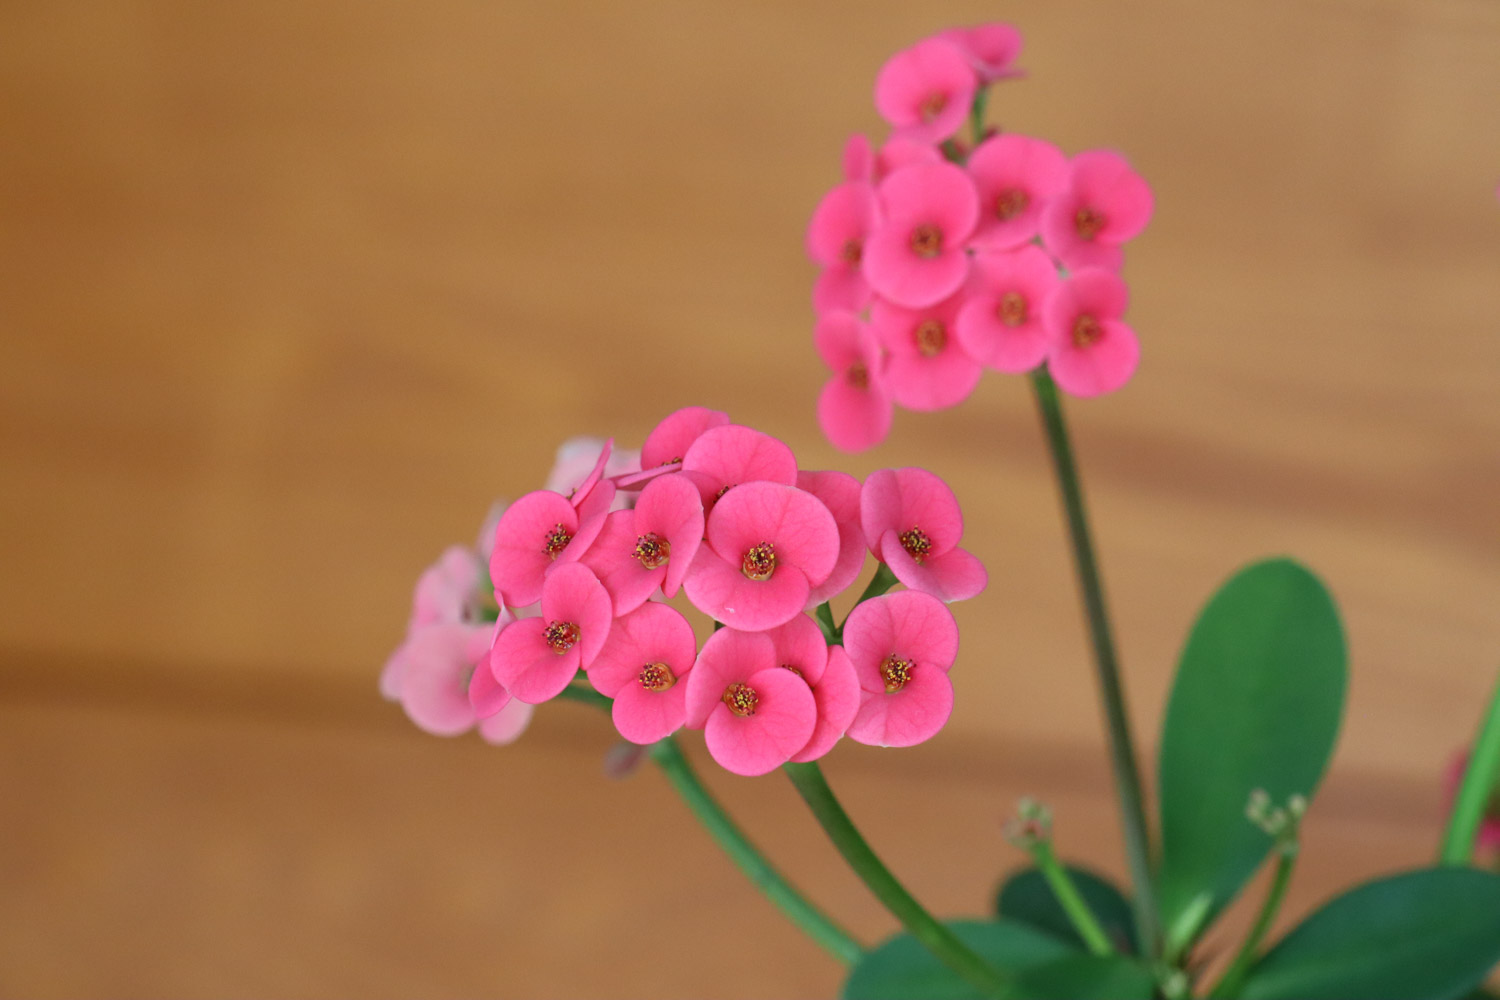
290 291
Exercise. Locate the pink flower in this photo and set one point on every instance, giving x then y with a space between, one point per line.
649 548
800 648
862 163
925 91
991 49
1104 205
928 368
836 237
581 461
535 658
723 457
1000 324
1016 176
902 646
915 257
1090 349
432 670
839 492
670 439
855 407
754 714
539 531
1489 826
913 524
768 545
449 589
644 667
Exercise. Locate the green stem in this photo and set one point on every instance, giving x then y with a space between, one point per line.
1480 776
816 924
935 936
1106 668
1071 900
1230 984
976 113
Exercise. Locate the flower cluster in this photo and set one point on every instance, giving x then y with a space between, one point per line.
939 260
585 577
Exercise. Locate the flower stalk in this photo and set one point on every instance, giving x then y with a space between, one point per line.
1284 825
1479 781
1032 831
1106 666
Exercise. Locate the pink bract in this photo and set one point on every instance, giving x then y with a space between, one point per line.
432 678
446 590
755 714
768 545
901 646
537 532
1090 351
644 667
925 91
506 725
799 646
723 457
839 492
992 49
837 696
928 369
670 439
915 257
855 407
913 524
1000 324
582 460
1016 176
650 548
836 237
1104 204
535 658
861 163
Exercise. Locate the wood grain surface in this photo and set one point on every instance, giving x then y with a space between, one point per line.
290 292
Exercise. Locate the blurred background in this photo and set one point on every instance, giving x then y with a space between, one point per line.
290 292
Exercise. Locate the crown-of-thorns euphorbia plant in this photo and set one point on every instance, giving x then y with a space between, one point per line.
950 249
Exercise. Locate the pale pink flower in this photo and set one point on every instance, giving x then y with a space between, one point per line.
433 670
1104 204
535 658
854 408
670 439
449 589
1090 351
913 524
837 696
925 91
539 531
836 237
1000 324
863 163
902 646
581 461
650 548
768 545
644 667
915 257
1016 176
755 715
839 492
927 367
992 49
1489 827
723 457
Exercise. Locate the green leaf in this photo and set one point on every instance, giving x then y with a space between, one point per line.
1087 977
1256 704
1423 935
1026 896
902 969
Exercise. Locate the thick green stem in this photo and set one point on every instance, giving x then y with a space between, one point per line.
1106 668
1070 899
935 936
1480 776
1229 985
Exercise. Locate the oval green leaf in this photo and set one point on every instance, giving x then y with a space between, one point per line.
1086 977
1256 705
1026 896
900 968
1424 935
